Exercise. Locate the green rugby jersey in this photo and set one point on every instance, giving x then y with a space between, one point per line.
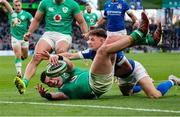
78 86
24 20
90 18
59 18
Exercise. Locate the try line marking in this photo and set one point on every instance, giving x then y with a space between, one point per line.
92 106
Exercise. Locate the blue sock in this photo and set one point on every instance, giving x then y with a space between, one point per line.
165 86
136 89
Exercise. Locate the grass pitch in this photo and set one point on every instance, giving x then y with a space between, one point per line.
159 66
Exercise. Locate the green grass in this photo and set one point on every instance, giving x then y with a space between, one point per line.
159 66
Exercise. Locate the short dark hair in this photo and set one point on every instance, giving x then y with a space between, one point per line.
99 32
43 76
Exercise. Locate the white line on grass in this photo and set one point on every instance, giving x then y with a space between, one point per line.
93 106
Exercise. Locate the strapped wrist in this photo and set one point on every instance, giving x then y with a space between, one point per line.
48 96
14 15
60 57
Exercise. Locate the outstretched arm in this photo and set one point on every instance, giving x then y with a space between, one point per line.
82 24
50 96
34 24
7 6
134 19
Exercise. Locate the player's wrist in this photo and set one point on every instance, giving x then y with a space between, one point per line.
47 96
14 15
60 57
136 21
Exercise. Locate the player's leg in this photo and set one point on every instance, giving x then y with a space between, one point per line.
62 43
127 41
101 72
149 88
41 46
154 39
17 51
24 50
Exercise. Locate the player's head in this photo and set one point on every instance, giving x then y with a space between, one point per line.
96 38
114 0
58 1
17 5
88 8
51 82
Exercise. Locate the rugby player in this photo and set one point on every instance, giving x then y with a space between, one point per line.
59 15
20 47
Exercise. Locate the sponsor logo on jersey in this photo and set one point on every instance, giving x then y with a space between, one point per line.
57 18
19 21
114 12
65 9
50 9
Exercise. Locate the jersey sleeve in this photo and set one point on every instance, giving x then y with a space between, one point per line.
86 54
42 6
105 11
76 8
30 17
126 6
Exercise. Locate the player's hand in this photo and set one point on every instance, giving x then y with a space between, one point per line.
15 22
54 59
27 36
43 55
42 91
85 36
136 24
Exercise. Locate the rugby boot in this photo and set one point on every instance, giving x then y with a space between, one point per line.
175 79
20 85
158 33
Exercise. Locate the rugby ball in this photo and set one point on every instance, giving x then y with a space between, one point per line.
55 70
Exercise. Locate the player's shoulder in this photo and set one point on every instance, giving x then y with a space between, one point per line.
26 12
87 51
107 2
70 2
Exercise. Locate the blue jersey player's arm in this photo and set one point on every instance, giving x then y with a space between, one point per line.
85 54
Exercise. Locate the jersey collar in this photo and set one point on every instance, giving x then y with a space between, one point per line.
20 12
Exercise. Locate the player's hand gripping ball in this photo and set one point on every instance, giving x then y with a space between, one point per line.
55 70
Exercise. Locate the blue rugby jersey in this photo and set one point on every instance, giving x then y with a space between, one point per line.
115 13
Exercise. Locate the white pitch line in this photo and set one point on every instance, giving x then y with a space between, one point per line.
93 106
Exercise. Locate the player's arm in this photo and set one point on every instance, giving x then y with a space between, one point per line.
82 24
58 96
101 21
50 96
7 6
133 17
71 56
35 22
37 19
